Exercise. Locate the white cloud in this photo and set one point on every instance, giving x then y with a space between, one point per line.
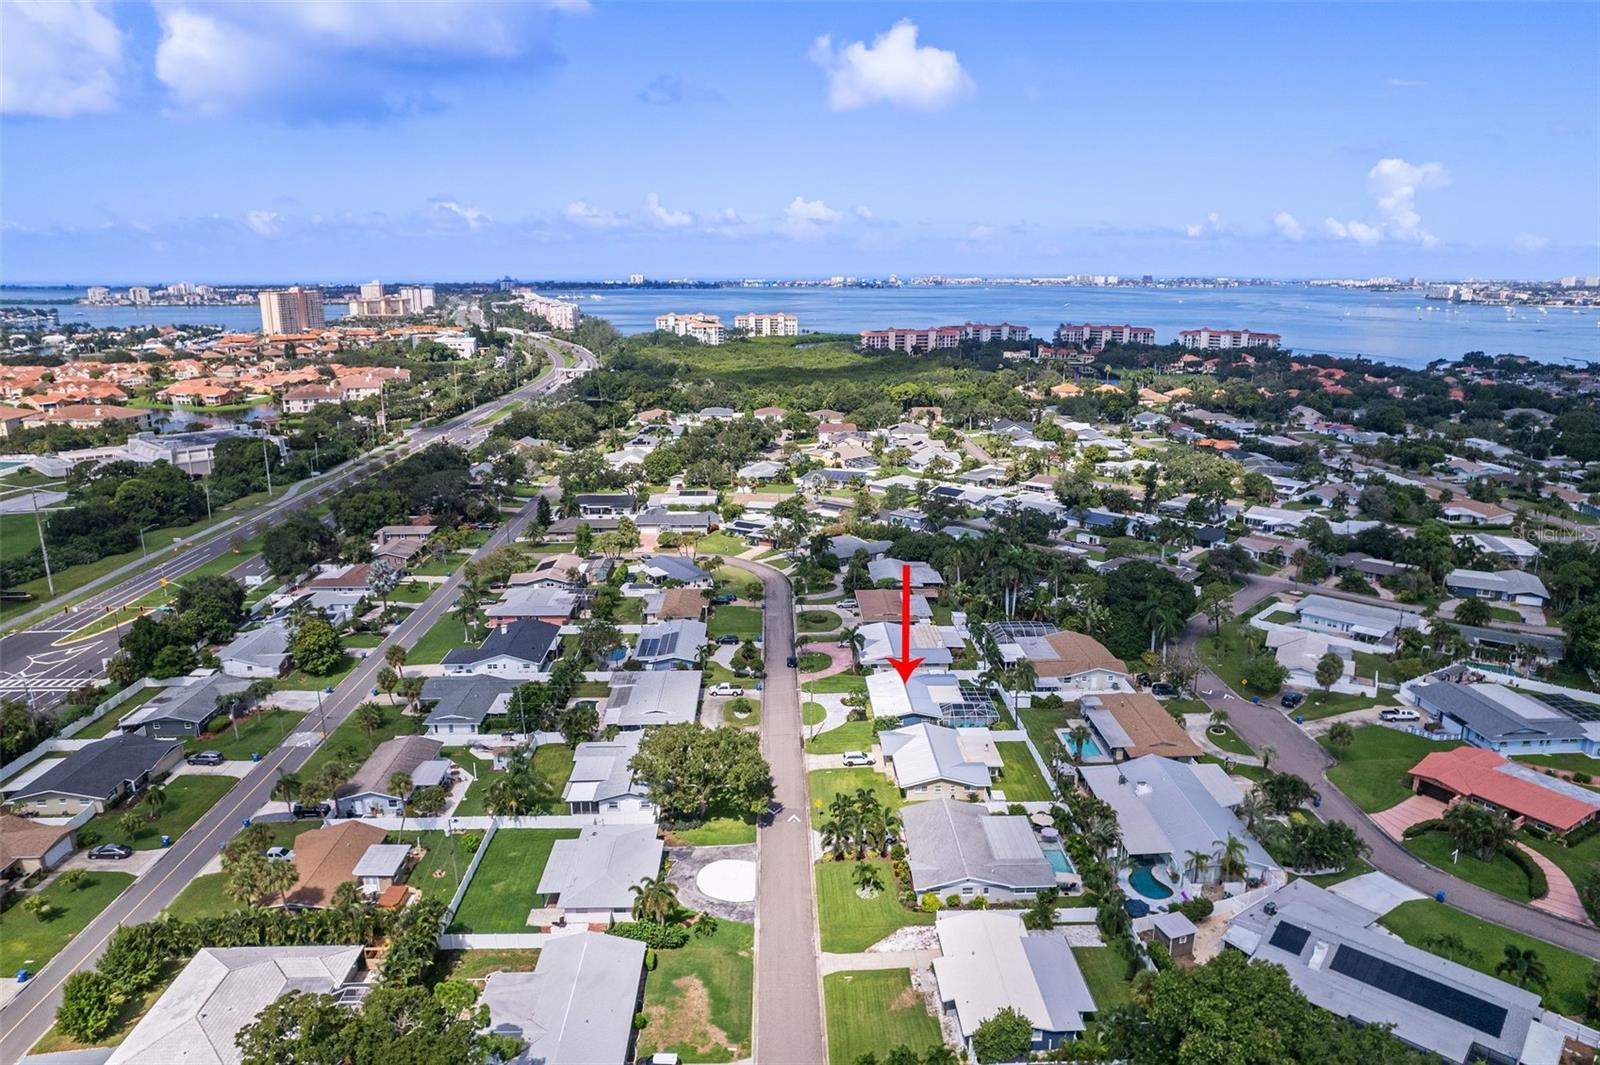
661 216
805 219
980 232
1530 242
1393 185
1211 227
894 69
455 212
1288 226
1405 83
862 212
263 223
58 58
580 213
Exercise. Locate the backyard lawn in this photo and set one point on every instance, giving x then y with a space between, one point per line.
826 783
1572 762
1041 725
838 684
741 621
102 725
850 923
1421 920
350 743
1500 874
481 964
1373 770
721 543
874 1011
504 888
258 733
553 761
700 997
187 798
1104 971
1020 777
850 736
27 942
444 636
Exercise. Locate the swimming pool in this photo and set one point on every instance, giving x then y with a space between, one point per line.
1142 880
1089 752
1058 859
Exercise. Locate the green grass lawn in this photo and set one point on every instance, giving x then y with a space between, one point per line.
850 923
1500 874
442 637
1420 920
553 761
717 832
258 733
812 661
1319 705
301 681
700 998
1041 724
744 585
206 896
741 621
361 641
874 1011
102 726
1104 970
439 870
721 543
1230 652
838 684
187 799
503 889
1572 763
630 610
350 743
813 714
1020 778
816 621
850 736
1229 741
27 943
826 783
412 592
443 565
481 964
1373 771
1354 869
1577 862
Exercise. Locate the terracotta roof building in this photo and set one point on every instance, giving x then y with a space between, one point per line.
1521 791
1137 724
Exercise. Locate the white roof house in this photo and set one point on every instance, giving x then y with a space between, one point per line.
660 697
576 1007
600 777
1359 623
961 847
891 569
594 874
989 962
932 643
925 754
220 991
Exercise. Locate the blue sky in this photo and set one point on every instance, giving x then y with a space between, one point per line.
336 141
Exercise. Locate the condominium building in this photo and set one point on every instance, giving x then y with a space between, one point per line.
290 310
375 303
706 328
559 314
940 337
98 294
1096 337
138 294
776 324
1215 339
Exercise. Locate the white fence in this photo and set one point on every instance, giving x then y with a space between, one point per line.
466 881
493 940
54 746
478 824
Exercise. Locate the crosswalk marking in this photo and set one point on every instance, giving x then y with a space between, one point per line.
43 684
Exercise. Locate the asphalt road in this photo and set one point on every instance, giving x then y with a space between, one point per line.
28 1016
788 991
43 662
1303 756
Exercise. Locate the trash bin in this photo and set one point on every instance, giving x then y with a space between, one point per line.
1299 719
22 976
245 822
1438 896
1256 699
255 756
166 841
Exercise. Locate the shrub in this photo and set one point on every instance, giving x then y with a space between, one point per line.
88 1007
952 902
1538 885
1196 909
930 903
1422 828
471 842
1160 956
640 1019
1582 778
659 936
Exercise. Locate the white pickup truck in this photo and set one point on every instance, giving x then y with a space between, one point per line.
727 689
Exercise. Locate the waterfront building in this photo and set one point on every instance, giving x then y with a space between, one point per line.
559 314
374 303
139 294
1217 339
1096 337
940 337
706 328
98 294
290 310
775 324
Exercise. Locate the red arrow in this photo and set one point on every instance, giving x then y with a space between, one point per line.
905 665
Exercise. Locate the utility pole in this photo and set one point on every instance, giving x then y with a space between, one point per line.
205 483
267 463
44 552
144 551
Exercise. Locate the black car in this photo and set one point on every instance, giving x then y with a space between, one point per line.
111 852
1291 700
1163 691
302 813
793 661
727 638
205 758
722 600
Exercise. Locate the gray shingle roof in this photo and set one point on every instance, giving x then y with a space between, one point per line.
99 769
464 698
597 870
576 1008
529 641
955 841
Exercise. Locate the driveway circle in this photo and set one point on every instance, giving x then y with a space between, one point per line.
730 880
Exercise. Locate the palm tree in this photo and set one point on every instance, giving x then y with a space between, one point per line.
368 718
867 879
400 787
347 896
858 643
1524 967
1101 834
1219 718
835 837
1252 810
466 610
1196 865
1268 752
1077 736
1023 678
654 898
1231 863
395 657
286 789
278 877
155 797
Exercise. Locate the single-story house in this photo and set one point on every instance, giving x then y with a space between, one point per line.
671 644
563 570
936 645
989 962
1364 624
601 780
959 848
924 578
98 775
1274 519
326 858
1300 652
761 470
1499 586
1504 719
382 866
1489 779
605 505
671 603
223 989
512 649
28 846
1512 549
1063 661
392 534
664 697
1134 724
589 880
931 761
937 698
844 547
678 568
1472 512
262 652
884 604
462 702
369 793
578 1005
544 603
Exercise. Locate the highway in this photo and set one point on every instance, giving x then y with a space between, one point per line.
28 1016
44 661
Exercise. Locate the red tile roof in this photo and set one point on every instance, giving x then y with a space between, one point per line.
1475 772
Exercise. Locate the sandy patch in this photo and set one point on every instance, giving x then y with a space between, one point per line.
687 1022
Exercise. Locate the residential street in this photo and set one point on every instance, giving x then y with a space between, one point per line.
788 993
1303 756
28 1016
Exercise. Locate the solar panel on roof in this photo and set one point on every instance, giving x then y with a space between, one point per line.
1424 991
1290 938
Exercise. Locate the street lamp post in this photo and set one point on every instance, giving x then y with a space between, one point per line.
44 552
143 551
267 463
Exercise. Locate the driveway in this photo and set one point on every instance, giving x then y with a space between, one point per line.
788 992
686 865
1413 811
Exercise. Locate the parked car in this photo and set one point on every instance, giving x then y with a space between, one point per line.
1291 700
205 758
727 638
792 662
723 600
854 758
1399 713
301 813
727 689
280 854
114 852
1163 691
